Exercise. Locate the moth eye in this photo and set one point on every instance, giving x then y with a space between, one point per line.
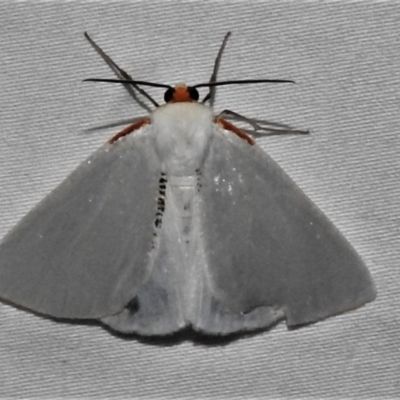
193 93
169 94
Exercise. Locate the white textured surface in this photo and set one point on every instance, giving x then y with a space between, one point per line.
345 59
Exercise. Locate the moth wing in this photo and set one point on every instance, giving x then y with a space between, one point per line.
83 251
267 244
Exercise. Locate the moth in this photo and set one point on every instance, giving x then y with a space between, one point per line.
181 220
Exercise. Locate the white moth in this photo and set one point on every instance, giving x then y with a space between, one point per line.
181 220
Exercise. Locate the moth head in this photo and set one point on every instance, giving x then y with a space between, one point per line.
181 93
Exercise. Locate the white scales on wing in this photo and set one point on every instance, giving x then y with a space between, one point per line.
179 291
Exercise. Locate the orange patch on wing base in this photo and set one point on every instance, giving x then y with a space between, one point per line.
129 129
230 127
181 94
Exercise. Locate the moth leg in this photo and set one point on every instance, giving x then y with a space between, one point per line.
212 89
120 73
239 117
232 128
272 128
129 129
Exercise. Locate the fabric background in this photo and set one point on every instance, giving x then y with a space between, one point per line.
345 59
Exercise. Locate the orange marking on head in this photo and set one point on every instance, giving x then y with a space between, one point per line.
129 129
230 127
181 94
